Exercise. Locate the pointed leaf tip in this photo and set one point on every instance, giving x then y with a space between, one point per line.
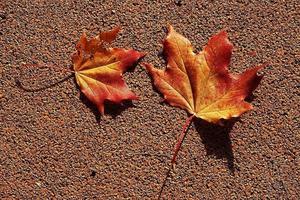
170 28
218 51
109 36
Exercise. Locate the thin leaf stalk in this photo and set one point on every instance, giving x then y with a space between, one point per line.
181 138
42 65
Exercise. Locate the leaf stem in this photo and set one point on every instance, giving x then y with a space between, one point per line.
47 65
41 65
27 89
181 138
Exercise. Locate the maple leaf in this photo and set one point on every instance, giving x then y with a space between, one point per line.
201 83
98 70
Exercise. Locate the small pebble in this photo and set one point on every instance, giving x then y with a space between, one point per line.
178 2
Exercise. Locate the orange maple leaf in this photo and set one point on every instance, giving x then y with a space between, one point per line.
200 83
98 70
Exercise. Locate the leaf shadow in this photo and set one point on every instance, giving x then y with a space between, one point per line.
250 97
111 108
216 140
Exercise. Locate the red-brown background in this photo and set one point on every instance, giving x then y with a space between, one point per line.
54 144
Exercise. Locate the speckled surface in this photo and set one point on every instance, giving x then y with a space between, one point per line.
54 144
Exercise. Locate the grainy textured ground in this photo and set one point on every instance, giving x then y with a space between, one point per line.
53 144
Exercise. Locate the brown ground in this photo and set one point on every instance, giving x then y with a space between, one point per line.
54 144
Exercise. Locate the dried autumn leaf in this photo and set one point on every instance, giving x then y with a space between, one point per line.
200 83
98 70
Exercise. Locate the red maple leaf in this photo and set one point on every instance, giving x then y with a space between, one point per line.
98 70
201 83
